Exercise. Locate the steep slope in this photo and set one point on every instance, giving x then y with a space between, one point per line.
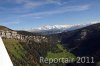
83 42
26 53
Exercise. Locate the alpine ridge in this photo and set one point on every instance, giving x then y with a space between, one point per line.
53 29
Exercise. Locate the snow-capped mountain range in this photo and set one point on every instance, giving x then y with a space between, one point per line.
49 27
52 29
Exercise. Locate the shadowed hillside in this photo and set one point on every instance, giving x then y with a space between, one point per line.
83 42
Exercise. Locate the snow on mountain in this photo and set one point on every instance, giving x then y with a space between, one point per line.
48 27
51 29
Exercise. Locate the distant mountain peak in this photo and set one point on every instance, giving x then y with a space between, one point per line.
48 27
51 29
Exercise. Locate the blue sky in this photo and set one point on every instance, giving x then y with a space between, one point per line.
26 14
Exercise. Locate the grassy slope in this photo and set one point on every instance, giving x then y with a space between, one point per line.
61 53
14 47
16 51
21 53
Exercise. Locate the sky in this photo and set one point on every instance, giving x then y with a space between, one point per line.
27 14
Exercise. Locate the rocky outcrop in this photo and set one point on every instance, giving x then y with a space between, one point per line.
8 34
22 37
